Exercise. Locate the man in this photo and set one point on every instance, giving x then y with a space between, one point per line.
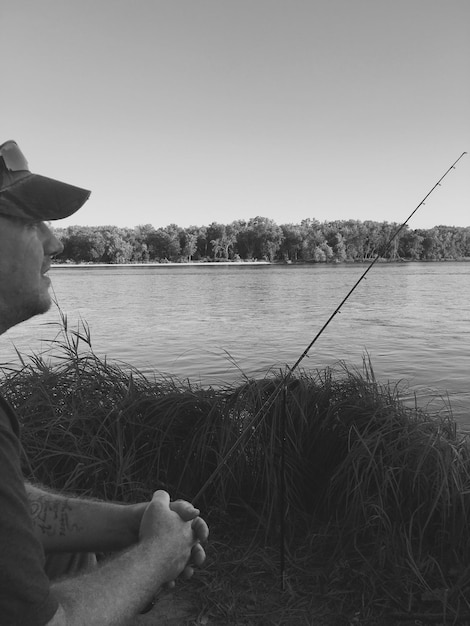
154 541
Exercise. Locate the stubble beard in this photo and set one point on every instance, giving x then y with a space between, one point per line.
37 305
40 305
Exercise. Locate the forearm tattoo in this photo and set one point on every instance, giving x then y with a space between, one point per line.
52 517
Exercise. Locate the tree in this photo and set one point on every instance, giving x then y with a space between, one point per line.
83 244
223 246
411 245
164 245
314 239
355 236
291 245
117 249
215 233
190 245
322 253
202 245
430 245
261 238
339 248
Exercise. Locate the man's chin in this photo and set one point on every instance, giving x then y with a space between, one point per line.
44 305
25 310
38 307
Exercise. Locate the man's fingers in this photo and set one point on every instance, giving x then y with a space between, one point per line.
161 496
187 572
198 555
200 529
185 510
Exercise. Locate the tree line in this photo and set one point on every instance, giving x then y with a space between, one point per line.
260 238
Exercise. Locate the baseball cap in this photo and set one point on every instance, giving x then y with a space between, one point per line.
31 196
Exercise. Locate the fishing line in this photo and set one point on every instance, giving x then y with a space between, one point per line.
256 420
282 492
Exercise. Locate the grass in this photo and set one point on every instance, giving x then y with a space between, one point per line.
372 507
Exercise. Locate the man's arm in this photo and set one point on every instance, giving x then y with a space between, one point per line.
116 592
67 524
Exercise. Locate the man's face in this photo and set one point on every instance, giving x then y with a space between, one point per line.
25 255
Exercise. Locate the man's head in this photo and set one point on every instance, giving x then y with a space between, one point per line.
26 243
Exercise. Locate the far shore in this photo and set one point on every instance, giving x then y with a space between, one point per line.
169 264
239 263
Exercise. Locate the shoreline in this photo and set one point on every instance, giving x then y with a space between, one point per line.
251 263
169 264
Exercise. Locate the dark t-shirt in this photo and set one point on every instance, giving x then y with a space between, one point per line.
25 598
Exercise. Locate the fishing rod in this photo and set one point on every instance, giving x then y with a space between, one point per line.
371 265
255 422
251 428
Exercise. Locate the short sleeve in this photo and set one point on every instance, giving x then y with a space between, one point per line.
25 598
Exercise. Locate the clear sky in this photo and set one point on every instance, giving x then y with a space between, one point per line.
194 111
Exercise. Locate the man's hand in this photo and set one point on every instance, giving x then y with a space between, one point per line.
188 513
178 535
117 591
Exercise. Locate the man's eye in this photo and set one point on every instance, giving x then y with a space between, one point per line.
36 226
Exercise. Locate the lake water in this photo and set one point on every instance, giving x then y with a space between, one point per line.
214 324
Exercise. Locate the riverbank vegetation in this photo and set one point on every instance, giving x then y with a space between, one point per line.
262 239
373 505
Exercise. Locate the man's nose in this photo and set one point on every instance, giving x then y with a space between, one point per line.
59 247
52 246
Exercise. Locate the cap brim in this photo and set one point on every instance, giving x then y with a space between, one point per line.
39 198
